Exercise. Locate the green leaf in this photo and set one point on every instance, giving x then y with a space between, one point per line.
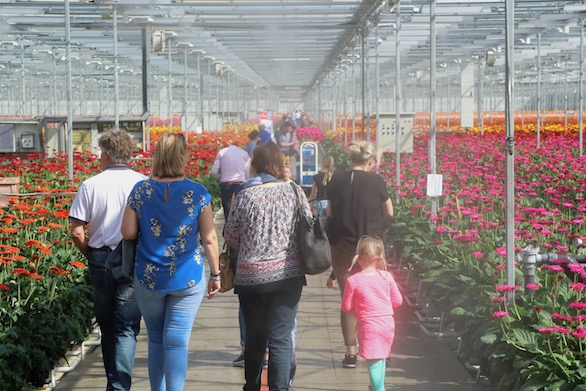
489 338
459 311
527 340
534 385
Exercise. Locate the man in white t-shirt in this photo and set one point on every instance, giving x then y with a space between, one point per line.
99 206
231 168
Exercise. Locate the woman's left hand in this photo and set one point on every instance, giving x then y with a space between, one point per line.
213 288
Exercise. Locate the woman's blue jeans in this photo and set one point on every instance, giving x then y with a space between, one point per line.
169 318
118 316
269 317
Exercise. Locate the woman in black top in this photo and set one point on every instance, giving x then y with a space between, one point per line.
357 201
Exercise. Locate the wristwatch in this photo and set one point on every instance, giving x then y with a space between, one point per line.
214 277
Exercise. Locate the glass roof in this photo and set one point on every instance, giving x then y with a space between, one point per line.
285 47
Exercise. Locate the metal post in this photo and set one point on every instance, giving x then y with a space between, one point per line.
398 98
116 87
353 97
449 95
200 90
170 86
538 89
185 90
346 106
377 89
432 102
363 78
580 88
69 93
509 143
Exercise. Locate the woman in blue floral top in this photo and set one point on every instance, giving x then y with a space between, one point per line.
172 219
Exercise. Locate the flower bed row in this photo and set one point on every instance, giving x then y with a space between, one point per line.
45 296
536 342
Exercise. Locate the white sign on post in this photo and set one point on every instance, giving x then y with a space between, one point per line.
434 185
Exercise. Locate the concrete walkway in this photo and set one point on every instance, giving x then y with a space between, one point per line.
418 363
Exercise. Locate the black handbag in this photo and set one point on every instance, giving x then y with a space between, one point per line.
312 241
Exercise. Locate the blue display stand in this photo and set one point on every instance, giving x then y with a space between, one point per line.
309 164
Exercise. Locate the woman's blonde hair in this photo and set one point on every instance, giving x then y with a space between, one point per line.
327 167
170 157
369 248
361 151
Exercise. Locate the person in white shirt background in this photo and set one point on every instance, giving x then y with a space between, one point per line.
231 168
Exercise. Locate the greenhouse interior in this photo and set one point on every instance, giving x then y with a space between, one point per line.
485 170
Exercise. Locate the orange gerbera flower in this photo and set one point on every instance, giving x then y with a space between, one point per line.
36 276
4 287
61 214
9 249
43 229
77 264
57 270
45 250
19 271
22 206
32 242
55 225
10 230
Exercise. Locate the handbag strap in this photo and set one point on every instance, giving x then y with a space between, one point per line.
294 186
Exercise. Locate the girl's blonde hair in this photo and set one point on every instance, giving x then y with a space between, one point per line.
170 157
327 167
369 248
361 151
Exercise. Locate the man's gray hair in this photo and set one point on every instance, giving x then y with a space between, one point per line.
118 144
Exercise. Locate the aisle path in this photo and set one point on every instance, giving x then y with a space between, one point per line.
418 363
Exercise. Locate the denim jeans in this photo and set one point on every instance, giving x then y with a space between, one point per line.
269 317
118 316
226 192
169 318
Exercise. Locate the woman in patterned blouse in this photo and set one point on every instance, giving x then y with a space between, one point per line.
269 274
171 217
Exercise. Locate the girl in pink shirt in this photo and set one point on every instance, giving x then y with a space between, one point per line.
372 294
